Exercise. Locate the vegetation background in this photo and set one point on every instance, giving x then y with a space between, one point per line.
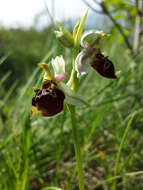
39 154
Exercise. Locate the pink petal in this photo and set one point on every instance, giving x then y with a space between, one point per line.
61 77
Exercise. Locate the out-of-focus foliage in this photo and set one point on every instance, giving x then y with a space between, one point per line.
124 12
25 49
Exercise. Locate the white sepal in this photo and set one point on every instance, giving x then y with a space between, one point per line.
58 65
72 97
82 63
93 37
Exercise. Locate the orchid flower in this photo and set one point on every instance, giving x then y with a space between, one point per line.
92 41
49 100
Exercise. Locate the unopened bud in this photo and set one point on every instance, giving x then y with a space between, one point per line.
62 38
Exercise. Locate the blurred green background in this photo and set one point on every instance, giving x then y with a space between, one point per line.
36 154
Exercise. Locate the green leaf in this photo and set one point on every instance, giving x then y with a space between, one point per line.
76 28
80 30
3 58
120 16
66 33
10 164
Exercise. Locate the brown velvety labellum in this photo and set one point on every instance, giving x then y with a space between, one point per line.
49 100
104 66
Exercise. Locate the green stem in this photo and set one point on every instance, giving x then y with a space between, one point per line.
77 148
73 84
73 81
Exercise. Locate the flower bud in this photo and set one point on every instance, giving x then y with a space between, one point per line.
63 39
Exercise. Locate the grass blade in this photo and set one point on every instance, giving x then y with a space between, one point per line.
114 187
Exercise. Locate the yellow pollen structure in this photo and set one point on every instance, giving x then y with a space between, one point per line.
117 74
52 86
34 111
